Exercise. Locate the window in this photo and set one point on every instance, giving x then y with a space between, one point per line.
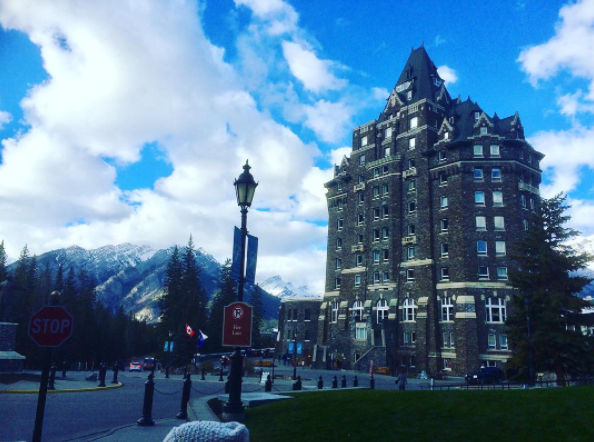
386 255
477 116
306 335
340 204
478 174
386 152
414 122
376 172
410 253
481 223
443 225
412 143
478 151
376 192
410 164
412 184
360 238
481 248
443 179
495 310
362 160
496 174
376 235
447 309
442 155
410 274
503 342
411 229
340 186
385 189
499 223
386 277
376 256
376 213
444 250
360 219
376 278
385 211
502 273
337 283
500 248
361 179
484 131
360 197
340 224
338 243
409 310
388 132
443 202
479 198
385 233
492 341
385 169
357 280
532 204
483 272
409 95
406 338
523 201
444 274
338 263
446 136
359 260
307 315
363 141
494 150
361 332
358 310
335 311
448 340
497 198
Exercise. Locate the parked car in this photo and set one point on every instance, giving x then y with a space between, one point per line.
486 375
149 364
135 365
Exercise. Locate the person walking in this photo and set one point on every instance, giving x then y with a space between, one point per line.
401 381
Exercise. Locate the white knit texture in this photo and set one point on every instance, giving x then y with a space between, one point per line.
209 431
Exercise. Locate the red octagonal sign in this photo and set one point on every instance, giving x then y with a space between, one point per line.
51 326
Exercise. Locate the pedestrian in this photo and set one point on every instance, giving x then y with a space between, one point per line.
209 431
401 381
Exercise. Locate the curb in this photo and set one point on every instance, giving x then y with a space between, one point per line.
73 390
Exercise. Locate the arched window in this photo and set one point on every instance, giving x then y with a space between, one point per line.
382 310
335 311
409 310
358 310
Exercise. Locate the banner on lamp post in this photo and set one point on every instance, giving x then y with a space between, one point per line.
235 271
252 259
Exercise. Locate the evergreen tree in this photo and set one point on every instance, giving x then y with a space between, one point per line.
59 285
258 316
172 303
3 259
547 294
225 296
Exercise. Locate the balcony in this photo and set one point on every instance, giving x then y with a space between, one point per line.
358 248
409 172
412 239
360 186
528 188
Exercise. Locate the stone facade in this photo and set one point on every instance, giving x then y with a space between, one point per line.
423 217
10 360
298 324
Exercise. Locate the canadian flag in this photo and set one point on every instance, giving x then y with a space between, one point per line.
189 330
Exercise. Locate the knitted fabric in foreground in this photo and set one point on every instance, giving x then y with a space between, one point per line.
209 431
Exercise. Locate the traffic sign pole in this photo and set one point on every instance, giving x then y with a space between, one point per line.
47 361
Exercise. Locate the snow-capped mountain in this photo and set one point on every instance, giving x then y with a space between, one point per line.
276 286
585 244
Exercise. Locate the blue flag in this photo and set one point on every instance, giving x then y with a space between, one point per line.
236 254
201 338
252 259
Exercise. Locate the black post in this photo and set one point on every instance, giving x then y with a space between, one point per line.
116 369
273 365
372 383
52 377
167 371
227 386
334 382
64 365
42 396
221 374
203 370
356 382
320 383
102 374
183 411
268 384
343 382
147 407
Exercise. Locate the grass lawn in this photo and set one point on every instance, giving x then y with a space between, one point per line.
555 414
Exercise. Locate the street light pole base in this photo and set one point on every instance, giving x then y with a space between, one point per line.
233 413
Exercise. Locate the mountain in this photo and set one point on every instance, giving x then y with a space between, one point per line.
281 289
133 276
585 244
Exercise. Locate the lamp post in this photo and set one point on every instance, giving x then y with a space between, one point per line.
245 187
295 355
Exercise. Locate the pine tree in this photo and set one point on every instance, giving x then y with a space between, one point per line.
172 303
225 296
3 259
192 288
258 316
547 294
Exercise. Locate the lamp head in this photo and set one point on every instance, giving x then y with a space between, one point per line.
245 187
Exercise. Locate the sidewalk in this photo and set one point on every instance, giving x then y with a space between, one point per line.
73 382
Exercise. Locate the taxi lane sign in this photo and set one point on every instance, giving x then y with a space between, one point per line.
237 325
51 326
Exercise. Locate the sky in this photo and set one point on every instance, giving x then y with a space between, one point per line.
128 120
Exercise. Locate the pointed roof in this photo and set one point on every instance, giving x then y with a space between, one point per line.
422 72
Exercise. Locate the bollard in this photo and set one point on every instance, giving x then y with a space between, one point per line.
183 411
202 378
64 365
116 369
356 382
432 384
298 383
167 372
320 383
221 374
334 382
268 384
102 373
343 381
52 377
372 383
147 406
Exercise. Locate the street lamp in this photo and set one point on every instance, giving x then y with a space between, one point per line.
295 355
245 187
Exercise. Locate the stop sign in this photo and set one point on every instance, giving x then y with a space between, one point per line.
51 326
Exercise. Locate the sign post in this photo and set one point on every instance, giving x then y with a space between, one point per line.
237 325
48 328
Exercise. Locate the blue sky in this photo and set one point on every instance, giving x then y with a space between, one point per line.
127 121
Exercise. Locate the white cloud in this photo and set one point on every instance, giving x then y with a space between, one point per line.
447 74
330 121
582 214
438 41
337 155
280 17
380 93
5 117
572 104
313 73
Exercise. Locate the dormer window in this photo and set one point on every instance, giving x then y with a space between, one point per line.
340 186
484 131
364 141
446 136
477 116
409 95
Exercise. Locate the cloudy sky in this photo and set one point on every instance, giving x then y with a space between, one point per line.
128 120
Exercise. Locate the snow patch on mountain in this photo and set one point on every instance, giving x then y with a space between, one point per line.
276 286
